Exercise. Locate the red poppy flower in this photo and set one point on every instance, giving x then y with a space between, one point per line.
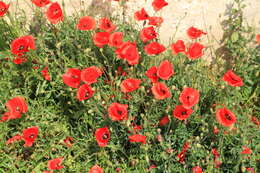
86 23
189 97
137 138
45 74
155 21
195 51
181 112
154 48
116 39
159 4
100 39
246 150
215 130
130 85
3 8
102 136
178 47
16 106
55 164
96 169
128 51
148 34
232 79
225 117
196 169
165 70
151 73
19 60
72 77
215 153
117 111
54 13
89 75
250 170
29 136
195 33
14 139
141 15
68 141
41 3
160 91
258 39
84 92
164 120
255 120
106 25
22 44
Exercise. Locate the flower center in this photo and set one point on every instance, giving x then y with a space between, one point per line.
17 108
2 9
31 136
21 47
228 117
105 136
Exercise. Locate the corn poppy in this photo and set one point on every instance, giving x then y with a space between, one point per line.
101 39
84 92
189 97
96 169
3 8
45 74
117 111
129 52
89 75
160 91
148 34
246 150
195 33
151 73
178 47
115 39
159 4
22 44
86 23
258 39
54 13
141 15
41 3
181 113
16 106
19 60
106 25
72 77
196 169
164 121
14 139
130 85
30 135
154 48
165 70
155 21
232 79
195 51
137 138
225 117
102 136
55 164
68 141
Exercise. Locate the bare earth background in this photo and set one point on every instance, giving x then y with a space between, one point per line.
178 15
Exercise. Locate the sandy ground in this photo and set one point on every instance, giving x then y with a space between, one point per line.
178 15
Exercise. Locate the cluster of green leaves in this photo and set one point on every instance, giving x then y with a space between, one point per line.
53 106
